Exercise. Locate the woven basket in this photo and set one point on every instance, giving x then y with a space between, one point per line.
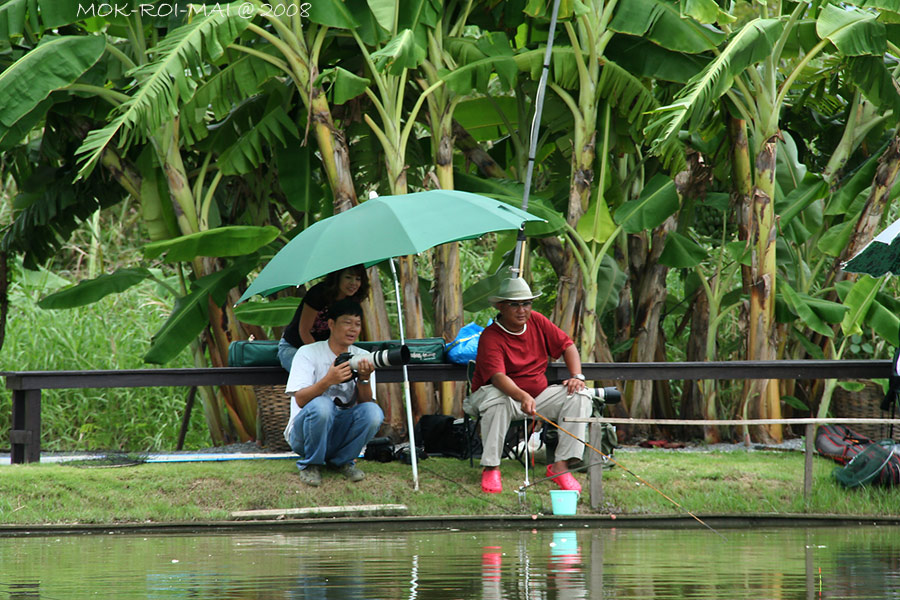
864 404
273 409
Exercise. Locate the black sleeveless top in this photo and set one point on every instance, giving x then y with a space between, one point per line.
317 298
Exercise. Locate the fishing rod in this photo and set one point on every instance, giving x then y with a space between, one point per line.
519 254
630 472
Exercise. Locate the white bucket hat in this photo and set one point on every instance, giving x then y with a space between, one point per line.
513 288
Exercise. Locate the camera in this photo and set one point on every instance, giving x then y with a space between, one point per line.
390 357
606 395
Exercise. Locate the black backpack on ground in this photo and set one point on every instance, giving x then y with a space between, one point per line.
443 435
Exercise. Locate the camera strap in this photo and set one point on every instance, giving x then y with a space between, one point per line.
344 405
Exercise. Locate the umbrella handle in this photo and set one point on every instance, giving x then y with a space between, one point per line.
409 416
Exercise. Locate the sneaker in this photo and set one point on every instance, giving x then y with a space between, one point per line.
351 472
565 481
311 475
490 481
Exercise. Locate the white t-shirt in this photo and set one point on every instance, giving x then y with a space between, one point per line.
311 364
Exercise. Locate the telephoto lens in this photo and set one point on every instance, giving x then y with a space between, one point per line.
391 357
607 395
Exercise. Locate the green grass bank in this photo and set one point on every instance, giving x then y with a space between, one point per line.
720 483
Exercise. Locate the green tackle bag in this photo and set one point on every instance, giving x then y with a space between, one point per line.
253 353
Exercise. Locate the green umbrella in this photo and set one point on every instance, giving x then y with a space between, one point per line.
880 256
380 229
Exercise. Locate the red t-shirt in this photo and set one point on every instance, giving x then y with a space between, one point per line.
523 358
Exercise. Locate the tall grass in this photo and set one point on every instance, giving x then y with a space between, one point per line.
111 334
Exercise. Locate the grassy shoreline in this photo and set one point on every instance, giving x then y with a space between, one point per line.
712 483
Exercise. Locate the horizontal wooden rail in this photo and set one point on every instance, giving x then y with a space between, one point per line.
793 369
735 369
595 471
27 385
716 422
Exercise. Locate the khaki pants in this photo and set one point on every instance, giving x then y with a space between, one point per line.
498 410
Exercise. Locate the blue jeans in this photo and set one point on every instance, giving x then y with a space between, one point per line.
322 432
286 354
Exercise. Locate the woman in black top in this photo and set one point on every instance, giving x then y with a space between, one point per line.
310 322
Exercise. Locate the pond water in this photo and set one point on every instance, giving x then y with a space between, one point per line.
788 563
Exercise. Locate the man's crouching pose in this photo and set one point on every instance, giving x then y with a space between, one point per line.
332 414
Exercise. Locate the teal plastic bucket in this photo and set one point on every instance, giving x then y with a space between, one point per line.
563 502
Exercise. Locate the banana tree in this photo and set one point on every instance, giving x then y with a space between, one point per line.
754 72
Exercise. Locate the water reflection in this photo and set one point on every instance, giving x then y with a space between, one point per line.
620 564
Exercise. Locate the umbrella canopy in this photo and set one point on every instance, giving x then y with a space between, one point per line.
383 228
880 256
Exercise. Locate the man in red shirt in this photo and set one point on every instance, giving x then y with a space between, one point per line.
510 382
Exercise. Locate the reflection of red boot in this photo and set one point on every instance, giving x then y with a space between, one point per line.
565 481
490 481
491 558
491 573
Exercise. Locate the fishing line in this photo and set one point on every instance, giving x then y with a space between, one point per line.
632 473
523 510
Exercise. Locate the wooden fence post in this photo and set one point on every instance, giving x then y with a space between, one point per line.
595 470
808 462
25 435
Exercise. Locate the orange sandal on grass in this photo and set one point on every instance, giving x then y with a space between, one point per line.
490 481
565 481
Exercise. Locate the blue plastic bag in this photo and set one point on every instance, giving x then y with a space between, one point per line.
465 346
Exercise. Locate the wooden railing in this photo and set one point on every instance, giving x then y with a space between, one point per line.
25 434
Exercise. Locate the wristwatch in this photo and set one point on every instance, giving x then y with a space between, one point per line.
366 381
579 376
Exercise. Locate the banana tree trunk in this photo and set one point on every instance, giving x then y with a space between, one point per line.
413 319
870 219
650 297
376 325
123 172
487 166
569 297
447 297
696 391
588 337
212 408
762 397
334 153
414 328
240 399
742 184
570 303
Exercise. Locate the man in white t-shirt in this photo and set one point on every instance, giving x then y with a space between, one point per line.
333 415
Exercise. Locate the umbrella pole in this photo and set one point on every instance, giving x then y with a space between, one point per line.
413 454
